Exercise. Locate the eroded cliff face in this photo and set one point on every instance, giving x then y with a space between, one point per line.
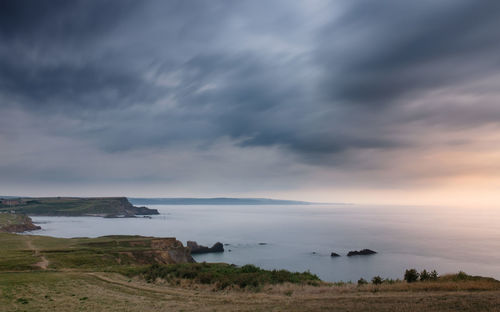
172 250
156 250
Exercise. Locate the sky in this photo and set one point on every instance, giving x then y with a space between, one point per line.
382 102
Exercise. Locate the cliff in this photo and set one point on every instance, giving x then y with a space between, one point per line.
74 206
16 223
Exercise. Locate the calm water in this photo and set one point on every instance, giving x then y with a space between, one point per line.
447 240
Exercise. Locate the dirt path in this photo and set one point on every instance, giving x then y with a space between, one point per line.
44 263
178 294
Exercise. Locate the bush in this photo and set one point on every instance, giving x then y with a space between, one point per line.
411 275
377 280
434 275
462 276
362 281
223 275
425 276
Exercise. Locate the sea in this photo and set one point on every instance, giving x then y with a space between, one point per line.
302 237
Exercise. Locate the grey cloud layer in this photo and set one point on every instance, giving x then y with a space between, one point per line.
320 80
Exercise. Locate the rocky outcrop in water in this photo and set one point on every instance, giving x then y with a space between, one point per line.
334 254
144 211
363 252
199 249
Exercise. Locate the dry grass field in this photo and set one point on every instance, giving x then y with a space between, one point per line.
83 291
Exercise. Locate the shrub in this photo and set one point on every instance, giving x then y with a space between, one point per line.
223 275
377 280
411 275
462 276
362 281
249 268
424 275
434 275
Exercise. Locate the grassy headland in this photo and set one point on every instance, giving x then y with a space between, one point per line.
16 223
74 206
107 253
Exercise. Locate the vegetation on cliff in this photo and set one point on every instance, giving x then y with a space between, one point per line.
16 223
73 206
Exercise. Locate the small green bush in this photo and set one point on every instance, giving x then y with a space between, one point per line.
362 281
434 275
377 280
425 276
462 276
411 276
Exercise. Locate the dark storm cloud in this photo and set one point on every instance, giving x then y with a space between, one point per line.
66 22
132 75
380 52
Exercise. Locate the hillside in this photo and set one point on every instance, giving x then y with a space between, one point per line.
132 273
73 206
24 252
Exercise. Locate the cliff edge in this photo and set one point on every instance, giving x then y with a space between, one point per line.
16 223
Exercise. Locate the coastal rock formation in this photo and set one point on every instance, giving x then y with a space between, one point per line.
334 254
75 206
144 211
142 250
363 252
16 223
130 210
170 250
199 249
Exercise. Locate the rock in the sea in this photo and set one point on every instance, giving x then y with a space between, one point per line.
334 254
199 249
144 211
363 252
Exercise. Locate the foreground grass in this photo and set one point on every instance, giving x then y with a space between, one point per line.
99 275
85 291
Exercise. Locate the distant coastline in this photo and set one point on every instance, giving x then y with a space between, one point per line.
73 206
215 201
